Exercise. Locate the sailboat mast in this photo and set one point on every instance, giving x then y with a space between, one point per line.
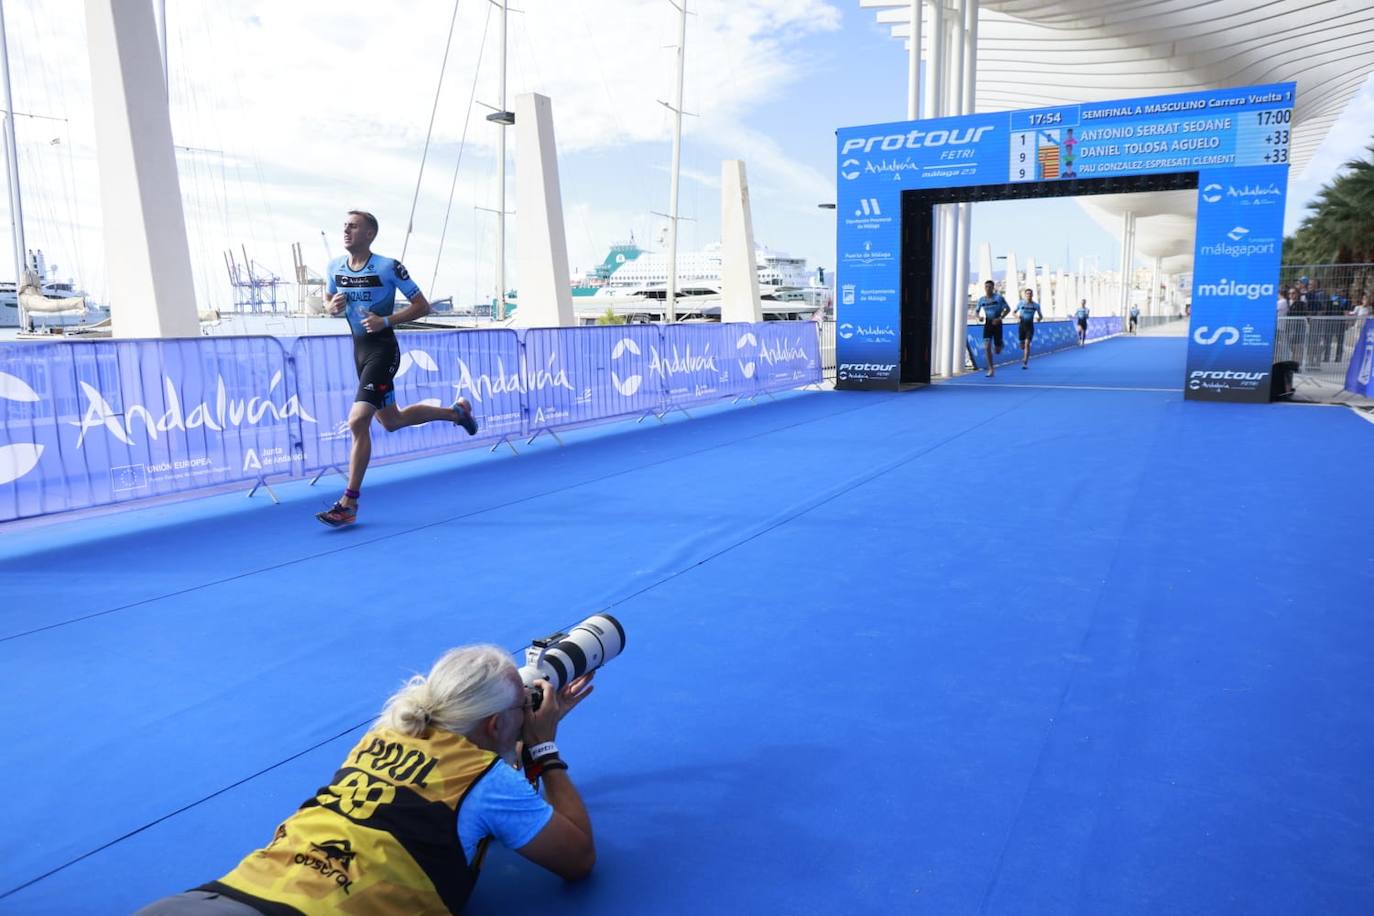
670 300
12 162
501 183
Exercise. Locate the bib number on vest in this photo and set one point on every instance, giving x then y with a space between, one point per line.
357 796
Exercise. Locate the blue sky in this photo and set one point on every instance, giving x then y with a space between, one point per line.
298 133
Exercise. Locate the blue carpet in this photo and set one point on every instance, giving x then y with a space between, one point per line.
970 649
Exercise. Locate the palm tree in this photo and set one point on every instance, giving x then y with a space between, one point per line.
1340 230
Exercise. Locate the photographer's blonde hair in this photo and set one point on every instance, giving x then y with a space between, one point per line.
465 686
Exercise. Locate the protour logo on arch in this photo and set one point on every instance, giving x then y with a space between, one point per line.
19 458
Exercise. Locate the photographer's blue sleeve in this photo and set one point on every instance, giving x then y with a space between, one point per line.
502 805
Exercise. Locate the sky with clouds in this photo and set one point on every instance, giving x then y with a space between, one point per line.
290 113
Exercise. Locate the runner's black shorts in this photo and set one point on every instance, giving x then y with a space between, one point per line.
1082 324
992 330
1025 331
377 357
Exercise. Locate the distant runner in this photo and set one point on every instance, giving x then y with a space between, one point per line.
369 283
1029 311
992 307
1135 317
1082 316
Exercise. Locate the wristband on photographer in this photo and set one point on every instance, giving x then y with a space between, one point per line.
542 750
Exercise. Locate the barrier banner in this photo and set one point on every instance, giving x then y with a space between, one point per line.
1098 328
696 363
788 354
435 368
1359 378
581 375
97 422
1049 337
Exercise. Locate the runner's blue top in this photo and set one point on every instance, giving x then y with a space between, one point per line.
1029 310
372 289
992 308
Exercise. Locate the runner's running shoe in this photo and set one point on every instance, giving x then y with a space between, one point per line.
465 417
338 515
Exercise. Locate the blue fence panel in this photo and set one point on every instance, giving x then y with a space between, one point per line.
1049 337
436 367
585 374
789 354
1099 328
96 422
1359 378
697 363
482 366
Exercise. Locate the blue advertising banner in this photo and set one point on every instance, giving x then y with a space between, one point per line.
788 355
1359 378
97 422
1235 140
101 422
696 363
1049 337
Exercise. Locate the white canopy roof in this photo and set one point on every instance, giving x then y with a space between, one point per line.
1034 53
1037 53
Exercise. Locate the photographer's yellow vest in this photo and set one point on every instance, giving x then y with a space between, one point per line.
382 838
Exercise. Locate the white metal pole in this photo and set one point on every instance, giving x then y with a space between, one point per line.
1154 287
913 65
1125 247
12 162
935 80
501 183
160 11
670 298
969 19
936 76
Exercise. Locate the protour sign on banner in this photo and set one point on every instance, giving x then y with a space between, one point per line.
1236 141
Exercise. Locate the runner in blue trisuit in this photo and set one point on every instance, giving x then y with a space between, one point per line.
1029 311
992 307
363 286
1082 316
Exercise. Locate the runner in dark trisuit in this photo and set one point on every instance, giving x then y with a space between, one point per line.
1082 316
1029 311
992 307
362 286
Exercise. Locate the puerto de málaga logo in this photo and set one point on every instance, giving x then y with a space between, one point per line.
17 459
224 413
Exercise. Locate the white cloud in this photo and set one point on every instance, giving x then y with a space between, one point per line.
313 107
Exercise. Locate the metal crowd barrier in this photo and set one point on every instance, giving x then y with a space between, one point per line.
1050 336
1322 346
90 423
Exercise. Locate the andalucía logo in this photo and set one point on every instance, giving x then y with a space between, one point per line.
18 458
